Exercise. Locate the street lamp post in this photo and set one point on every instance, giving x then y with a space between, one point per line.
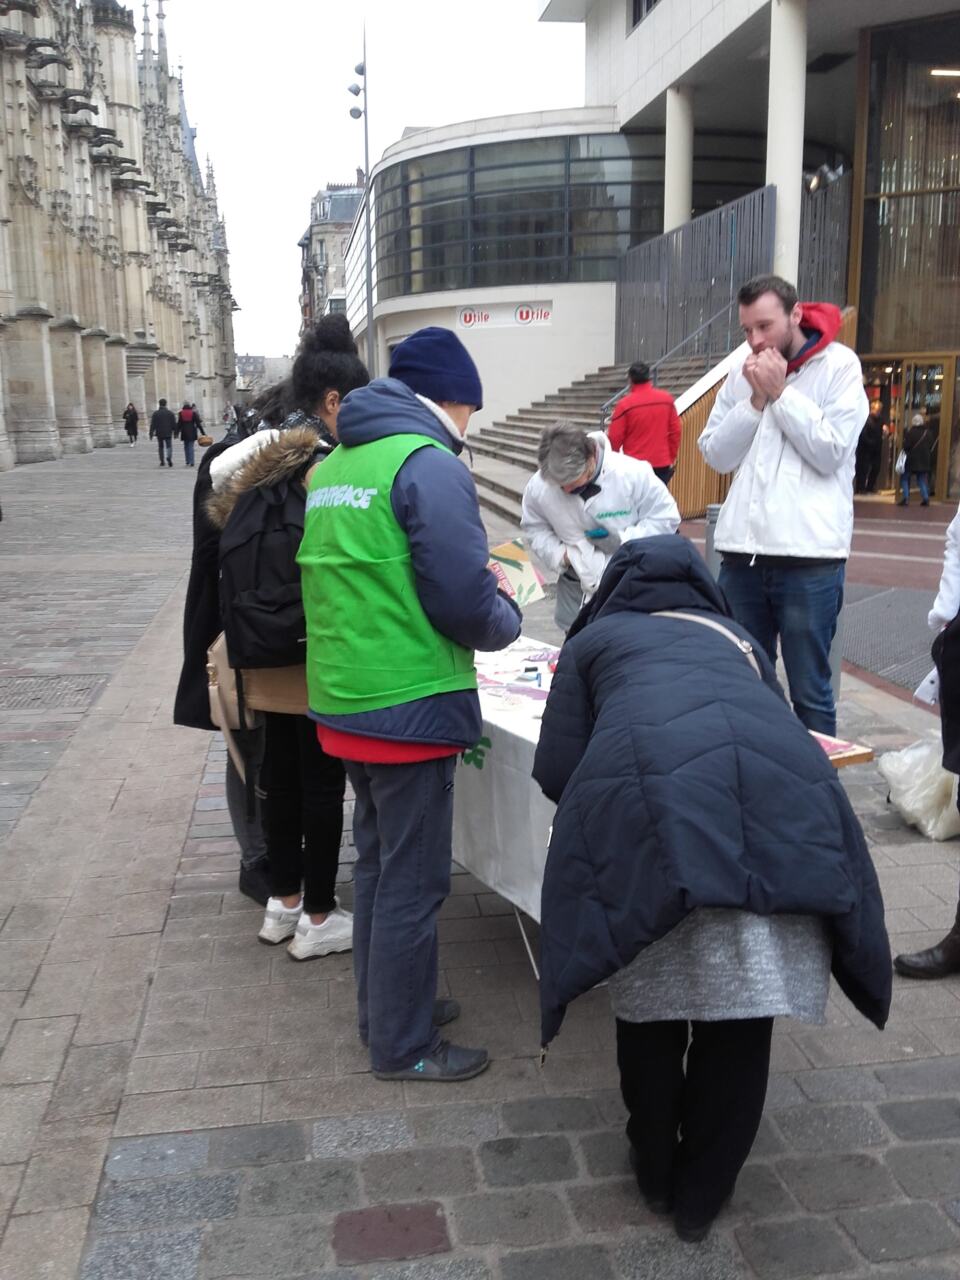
357 112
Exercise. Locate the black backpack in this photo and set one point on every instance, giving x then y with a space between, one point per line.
260 602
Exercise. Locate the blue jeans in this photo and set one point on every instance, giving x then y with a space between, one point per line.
923 483
165 449
799 605
188 448
403 832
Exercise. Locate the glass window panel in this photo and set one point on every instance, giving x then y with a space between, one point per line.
525 151
911 262
436 165
589 269
418 187
604 145
625 170
913 131
516 202
522 176
520 223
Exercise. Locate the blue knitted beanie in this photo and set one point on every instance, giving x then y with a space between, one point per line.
434 363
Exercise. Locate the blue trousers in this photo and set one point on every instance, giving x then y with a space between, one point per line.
403 832
188 449
923 483
799 606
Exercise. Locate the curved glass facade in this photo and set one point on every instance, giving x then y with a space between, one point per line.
538 210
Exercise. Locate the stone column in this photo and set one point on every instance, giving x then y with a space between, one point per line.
68 385
141 359
96 387
678 158
31 407
116 351
8 455
786 107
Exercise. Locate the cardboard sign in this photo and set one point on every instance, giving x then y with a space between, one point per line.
515 572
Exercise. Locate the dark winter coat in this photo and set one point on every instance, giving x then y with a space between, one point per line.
685 781
870 444
130 419
435 502
162 425
188 426
918 444
946 655
201 615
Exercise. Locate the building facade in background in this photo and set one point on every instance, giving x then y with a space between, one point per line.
114 275
323 248
522 232
256 373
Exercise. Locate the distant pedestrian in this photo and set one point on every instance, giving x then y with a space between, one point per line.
188 428
918 444
870 450
786 422
162 426
130 420
646 425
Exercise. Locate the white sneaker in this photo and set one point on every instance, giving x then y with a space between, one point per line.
279 922
313 940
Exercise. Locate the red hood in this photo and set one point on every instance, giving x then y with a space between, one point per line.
822 318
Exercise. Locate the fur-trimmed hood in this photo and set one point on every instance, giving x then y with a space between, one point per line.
291 452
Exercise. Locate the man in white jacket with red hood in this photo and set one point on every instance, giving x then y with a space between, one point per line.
787 421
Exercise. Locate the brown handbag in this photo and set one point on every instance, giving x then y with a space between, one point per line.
204 441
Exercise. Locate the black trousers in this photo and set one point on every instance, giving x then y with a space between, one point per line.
302 812
693 1130
664 473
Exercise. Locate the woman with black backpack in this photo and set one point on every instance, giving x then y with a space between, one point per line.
918 444
259 500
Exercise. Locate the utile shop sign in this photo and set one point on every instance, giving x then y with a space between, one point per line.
505 315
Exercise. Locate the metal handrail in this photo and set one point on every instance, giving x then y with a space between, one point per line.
724 311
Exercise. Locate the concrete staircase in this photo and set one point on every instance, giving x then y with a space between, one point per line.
505 453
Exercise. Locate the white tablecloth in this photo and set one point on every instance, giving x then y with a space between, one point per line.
501 825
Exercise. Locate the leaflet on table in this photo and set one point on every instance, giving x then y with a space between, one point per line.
514 570
517 677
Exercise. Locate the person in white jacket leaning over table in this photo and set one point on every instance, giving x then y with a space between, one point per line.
582 504
787 421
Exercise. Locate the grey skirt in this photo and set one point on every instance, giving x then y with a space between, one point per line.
723 965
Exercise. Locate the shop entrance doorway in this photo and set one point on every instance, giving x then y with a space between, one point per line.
910 384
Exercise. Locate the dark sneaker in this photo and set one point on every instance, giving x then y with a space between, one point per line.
448 1062
255 882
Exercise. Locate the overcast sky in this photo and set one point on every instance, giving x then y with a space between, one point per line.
266 90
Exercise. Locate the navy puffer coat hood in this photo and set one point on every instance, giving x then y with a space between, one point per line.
683 780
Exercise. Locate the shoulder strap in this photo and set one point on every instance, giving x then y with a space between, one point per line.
745 647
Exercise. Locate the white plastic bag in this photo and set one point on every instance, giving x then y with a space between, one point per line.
900 465
922 791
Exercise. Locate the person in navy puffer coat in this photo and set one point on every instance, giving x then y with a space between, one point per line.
704 859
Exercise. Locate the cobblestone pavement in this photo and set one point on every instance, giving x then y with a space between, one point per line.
178 1102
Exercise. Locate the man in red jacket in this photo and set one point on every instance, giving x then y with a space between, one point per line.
645 424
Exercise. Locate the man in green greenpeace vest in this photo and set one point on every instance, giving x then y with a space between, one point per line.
397 597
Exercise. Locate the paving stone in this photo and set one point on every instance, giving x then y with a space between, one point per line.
826 1183
921 1079
799 1248
419 1174
455 1124
460 1268
838 1128
63 1178
606 1153
512 1162
767 1142
257 1145
144 1113
43 1246
265 1248
317 1186
841 1084
91 1082
900 1231
388 1232
155 1255
11 1176
526 1216
760 1193
167 1202
171 1153
161 1075
927 1171
35 1050
923 1119
609 1206
656 1255
361 1134
21 1110
572 1263
550 1115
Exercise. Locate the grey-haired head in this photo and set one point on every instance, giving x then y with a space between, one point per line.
565 453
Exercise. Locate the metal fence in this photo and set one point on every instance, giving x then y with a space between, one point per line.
825 242
671 286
